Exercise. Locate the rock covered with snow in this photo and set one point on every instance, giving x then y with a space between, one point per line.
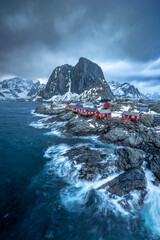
18 88
83 81
125 90
155 107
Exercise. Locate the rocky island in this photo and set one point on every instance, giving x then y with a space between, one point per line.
135 144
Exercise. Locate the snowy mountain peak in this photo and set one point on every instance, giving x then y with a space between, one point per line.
17 88
84 80
125 90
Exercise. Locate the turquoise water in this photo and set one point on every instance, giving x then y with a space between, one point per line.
37 201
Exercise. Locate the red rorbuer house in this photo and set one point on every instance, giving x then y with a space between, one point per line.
103 114
92 111
84 111
107 105
132 115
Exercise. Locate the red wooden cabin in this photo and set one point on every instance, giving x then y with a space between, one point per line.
52 106
85 112
92 111
132 115
107 105
103 114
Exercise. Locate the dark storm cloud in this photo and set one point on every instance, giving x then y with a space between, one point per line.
38 35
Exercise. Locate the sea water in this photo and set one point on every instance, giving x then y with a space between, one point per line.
40 198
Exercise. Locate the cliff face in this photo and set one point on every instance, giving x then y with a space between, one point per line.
85 80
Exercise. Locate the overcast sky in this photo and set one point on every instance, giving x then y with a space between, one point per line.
122 36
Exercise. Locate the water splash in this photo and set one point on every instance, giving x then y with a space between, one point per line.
151 210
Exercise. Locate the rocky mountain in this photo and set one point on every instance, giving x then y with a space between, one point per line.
17 88
153 96
83 81
125 90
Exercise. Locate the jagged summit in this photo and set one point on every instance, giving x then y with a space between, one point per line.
83 81
125 90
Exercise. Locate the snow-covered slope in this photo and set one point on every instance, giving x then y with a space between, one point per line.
155 96
125 90
17 88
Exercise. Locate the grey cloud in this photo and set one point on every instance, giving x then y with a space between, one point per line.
38 35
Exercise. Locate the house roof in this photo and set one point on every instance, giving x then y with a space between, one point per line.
104 100
84 108
131 113
92 109
105 111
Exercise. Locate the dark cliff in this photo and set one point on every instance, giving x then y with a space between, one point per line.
85 76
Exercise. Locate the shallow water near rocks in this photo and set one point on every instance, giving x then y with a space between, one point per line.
40 200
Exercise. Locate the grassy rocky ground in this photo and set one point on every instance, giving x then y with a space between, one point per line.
138 142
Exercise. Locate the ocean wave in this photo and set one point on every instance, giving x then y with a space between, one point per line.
38 124
151 209
38 114
76 194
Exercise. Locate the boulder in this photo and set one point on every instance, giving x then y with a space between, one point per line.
116 135
129 158
147 120
133 179
84 126
47 110
92 164
134 140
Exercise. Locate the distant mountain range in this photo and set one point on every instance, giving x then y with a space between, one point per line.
153 96
84 81
18 88
125 90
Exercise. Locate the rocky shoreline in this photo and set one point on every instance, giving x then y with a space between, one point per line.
138 143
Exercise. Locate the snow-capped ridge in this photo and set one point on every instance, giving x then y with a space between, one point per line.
125 90
18 88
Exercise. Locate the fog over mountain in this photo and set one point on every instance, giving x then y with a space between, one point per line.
122 37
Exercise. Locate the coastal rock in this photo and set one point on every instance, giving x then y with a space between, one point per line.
133 179
129 158
133 140
91 161
147 120
46 109
116 135
84 126
134 136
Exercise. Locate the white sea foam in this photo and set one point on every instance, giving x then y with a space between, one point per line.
76 194
38 114
151 210
53 132
38 124
55 129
